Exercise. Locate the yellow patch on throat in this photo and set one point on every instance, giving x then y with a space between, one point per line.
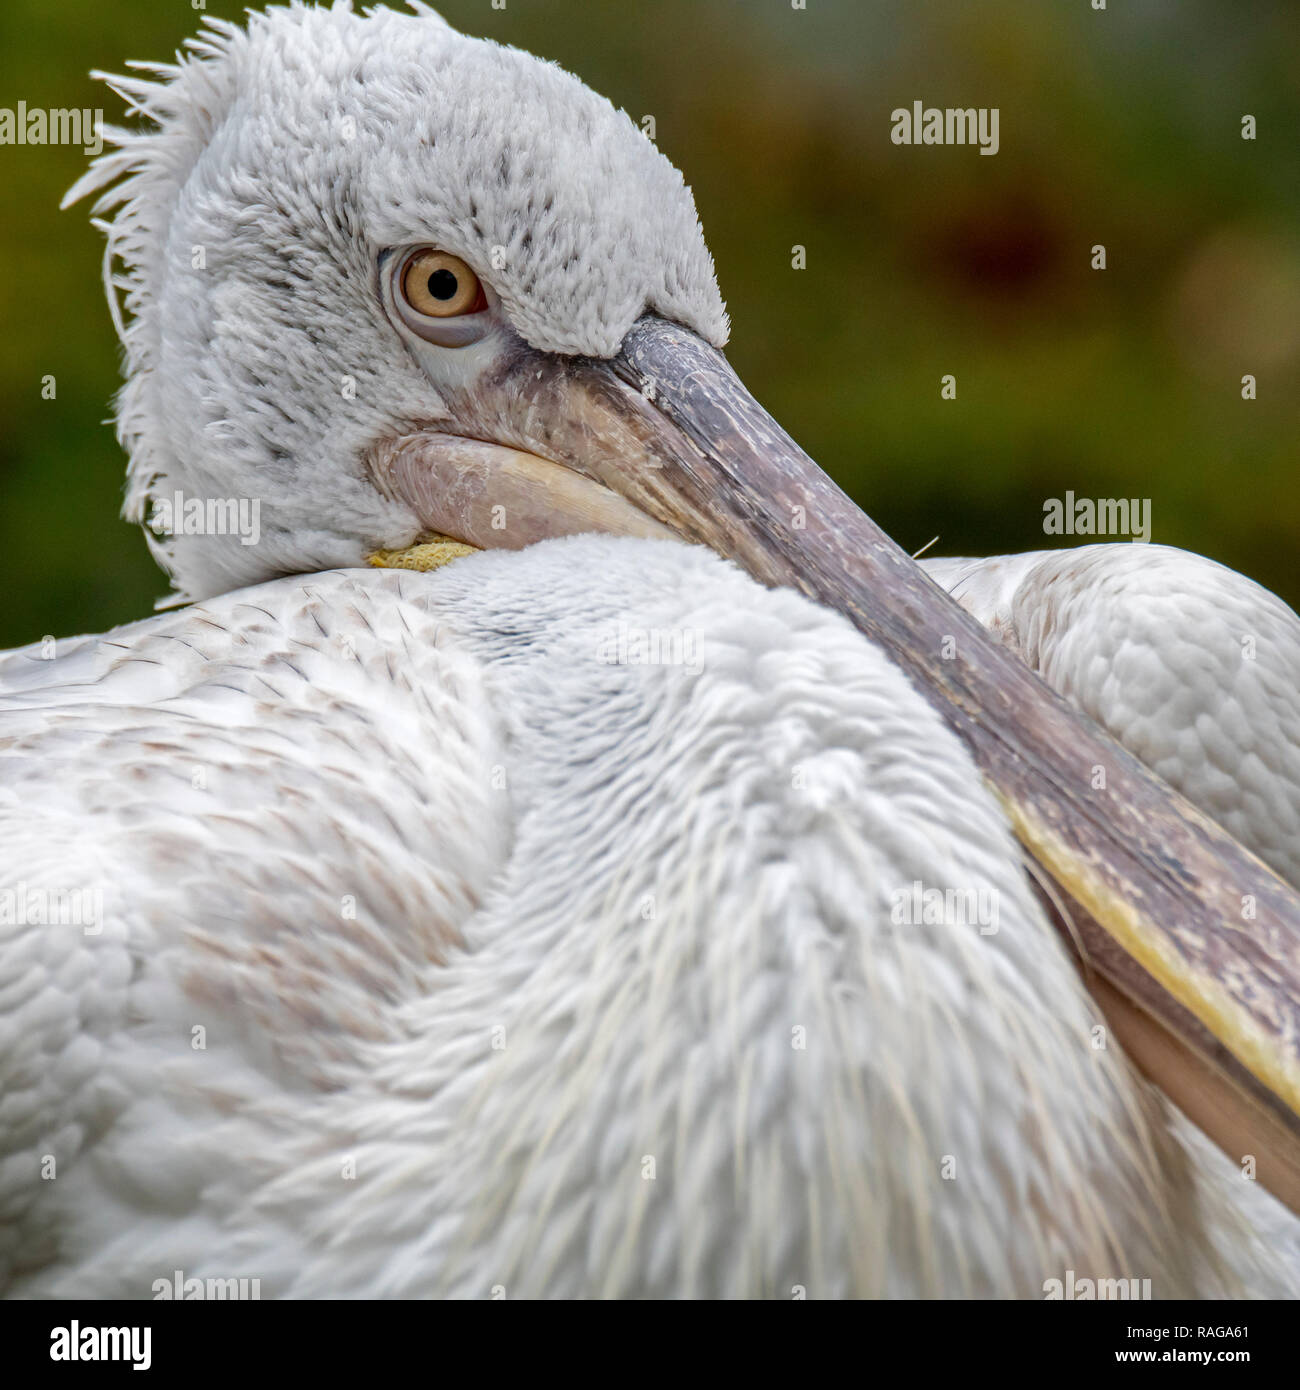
429 553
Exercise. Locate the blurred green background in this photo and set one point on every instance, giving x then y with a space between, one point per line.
1120 127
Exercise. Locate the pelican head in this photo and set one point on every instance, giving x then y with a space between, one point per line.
306 181
387 280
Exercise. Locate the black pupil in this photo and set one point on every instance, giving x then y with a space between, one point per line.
443 284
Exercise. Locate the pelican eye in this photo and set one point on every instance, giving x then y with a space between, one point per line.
441 286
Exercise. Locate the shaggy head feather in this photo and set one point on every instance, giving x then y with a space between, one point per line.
249 219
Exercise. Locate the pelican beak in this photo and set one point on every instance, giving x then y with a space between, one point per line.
1195 942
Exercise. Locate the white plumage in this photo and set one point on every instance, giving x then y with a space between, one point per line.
1193 667
448 944
606 915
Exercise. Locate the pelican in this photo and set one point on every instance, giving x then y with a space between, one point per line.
494 891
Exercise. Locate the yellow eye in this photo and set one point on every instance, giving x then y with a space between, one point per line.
441 286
